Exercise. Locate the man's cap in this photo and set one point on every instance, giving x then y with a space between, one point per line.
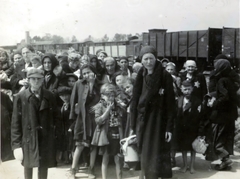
35 73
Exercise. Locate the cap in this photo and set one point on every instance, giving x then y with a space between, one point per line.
35 73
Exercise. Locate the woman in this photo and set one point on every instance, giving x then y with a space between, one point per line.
85 94
94 61
110 68
222 115
49 62
152 115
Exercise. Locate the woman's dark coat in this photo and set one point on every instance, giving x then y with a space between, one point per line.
6 114
33 128
153 119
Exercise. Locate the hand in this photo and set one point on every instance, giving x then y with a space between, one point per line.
18 154
23 82
69 130
110 105
211 102
92 78
168 136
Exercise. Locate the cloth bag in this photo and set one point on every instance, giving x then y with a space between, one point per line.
199 145
129 151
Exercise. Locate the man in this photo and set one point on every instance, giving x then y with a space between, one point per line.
33 126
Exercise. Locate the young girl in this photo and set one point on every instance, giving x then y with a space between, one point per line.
108 132
86 94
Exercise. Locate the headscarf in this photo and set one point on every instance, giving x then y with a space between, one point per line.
52 58
222 68
148 49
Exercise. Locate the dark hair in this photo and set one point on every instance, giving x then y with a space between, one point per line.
29 47
53 59
91 67
15 53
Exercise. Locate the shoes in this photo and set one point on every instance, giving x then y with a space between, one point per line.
84 166
90 173
226 164
71 173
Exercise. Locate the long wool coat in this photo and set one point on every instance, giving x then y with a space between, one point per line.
79 96
152 119
33 128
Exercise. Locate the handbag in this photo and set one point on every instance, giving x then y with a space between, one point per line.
199 145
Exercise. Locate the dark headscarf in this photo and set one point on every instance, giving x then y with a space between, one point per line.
222 68
148 49
52 58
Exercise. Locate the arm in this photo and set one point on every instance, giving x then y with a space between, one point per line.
100 116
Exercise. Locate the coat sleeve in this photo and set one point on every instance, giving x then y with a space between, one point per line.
16 124
73 102
169 101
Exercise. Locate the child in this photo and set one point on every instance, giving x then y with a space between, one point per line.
33 126
65 123
108 132
85 93
187 123
71 79
198 80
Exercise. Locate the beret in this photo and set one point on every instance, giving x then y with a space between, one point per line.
148 49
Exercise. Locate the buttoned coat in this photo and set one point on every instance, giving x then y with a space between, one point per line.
79 96
28 122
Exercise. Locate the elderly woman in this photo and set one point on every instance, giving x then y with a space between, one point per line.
152 115
110 67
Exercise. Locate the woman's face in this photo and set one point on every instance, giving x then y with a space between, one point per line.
74 63
94 62
26 54
110 67
148 61
87 74
47 64
101 56
71 81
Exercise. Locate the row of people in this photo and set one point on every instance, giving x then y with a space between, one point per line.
96 109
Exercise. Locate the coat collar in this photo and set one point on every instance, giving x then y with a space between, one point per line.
44 97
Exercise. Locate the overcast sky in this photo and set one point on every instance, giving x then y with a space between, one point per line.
98 17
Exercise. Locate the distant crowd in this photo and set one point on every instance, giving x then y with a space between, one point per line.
68 108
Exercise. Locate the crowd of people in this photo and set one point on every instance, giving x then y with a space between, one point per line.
60 108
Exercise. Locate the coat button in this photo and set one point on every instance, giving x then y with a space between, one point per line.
29 127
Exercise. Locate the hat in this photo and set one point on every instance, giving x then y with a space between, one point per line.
186 83
72 75
105 53
220 56
190 63
64 90
148 49
123 57
35 73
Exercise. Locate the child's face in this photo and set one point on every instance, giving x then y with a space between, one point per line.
119 80
35 83
109 98
187 90
170 69
123 63
128 88
65 98
190 69
87 74
35 63
71 81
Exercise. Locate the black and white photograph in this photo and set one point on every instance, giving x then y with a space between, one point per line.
120 89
